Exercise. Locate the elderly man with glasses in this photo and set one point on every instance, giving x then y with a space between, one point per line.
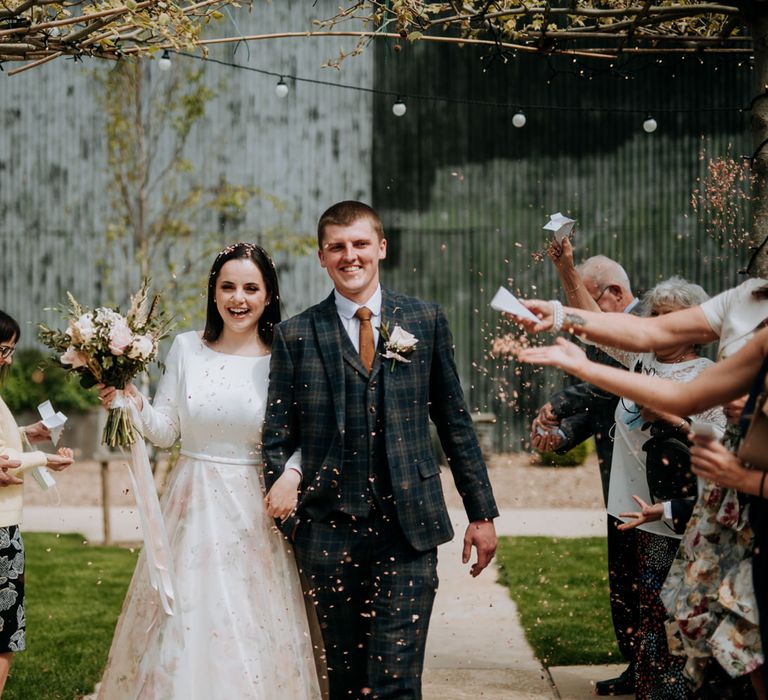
582 410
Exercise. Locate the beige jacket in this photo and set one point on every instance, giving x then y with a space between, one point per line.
12 497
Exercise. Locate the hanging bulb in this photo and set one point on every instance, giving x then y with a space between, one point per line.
281 89
649 125
164 62
519 120
399 109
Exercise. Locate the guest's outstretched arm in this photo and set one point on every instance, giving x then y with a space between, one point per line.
715 386
637 334
561 255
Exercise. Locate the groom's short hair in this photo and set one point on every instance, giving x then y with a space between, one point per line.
345 214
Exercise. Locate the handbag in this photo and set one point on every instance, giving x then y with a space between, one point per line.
668 464
753 448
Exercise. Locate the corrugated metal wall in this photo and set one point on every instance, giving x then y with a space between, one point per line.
462 193
466 194
307 150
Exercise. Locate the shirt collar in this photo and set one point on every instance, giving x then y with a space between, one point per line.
631 305
347 307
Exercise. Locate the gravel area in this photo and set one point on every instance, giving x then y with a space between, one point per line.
518 482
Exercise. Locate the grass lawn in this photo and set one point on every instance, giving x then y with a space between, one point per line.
560 587
74 593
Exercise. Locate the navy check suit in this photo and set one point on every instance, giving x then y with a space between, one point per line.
373 579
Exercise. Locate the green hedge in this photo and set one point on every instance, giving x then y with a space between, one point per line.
35 378
572 458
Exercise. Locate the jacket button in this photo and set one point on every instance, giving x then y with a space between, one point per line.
372 409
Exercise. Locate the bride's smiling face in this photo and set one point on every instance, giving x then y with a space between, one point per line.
241 295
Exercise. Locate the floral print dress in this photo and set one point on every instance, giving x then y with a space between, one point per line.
708 593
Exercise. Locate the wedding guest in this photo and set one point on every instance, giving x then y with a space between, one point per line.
240 627
584 410
657 673
720 383
14 461
733 317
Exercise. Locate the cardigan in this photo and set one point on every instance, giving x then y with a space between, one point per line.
12 497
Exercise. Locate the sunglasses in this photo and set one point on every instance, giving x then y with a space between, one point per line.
6 351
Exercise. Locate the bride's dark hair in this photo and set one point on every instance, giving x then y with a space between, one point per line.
271 316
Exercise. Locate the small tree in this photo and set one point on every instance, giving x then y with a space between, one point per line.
160 205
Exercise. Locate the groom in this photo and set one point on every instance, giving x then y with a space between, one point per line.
371 511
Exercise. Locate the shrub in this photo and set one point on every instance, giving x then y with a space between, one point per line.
572 458
35 378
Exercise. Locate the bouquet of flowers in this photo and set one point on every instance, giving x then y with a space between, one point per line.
104 347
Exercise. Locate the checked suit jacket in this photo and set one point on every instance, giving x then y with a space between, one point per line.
306 410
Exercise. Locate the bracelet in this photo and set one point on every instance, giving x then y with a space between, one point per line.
558 315
762 484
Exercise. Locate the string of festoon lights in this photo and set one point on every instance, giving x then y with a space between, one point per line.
399 107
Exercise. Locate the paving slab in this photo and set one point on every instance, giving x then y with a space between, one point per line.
578 682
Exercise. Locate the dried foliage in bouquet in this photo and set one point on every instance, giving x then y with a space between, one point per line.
103 346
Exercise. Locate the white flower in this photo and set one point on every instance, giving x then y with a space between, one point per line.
398 344
401 341
107 317
142 347
85 327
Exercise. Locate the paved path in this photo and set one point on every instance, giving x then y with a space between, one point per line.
476 646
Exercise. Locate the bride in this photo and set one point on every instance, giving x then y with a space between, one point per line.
239 629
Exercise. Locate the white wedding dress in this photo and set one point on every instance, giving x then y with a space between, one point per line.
239 629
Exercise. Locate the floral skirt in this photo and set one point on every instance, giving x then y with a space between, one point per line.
13 622
709 593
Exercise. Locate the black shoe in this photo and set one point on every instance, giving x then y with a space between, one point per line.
621 685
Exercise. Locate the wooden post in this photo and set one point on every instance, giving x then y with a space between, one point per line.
105 501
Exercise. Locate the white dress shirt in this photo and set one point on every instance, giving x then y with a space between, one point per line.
346 309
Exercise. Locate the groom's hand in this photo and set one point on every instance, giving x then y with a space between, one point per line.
482 535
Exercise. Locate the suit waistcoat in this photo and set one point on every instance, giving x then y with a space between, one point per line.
365 480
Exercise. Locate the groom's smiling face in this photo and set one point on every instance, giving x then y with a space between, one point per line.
351 256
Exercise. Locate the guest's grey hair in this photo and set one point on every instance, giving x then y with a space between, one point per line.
674 291
604 272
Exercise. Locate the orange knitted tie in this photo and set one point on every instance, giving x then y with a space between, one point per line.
367 350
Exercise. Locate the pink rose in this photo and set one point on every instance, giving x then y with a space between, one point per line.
120 337
73 357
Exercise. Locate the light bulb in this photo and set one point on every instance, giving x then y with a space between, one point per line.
649 125
164 62
518 121
398 109
281 89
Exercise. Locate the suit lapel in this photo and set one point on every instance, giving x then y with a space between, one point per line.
328 334
390 317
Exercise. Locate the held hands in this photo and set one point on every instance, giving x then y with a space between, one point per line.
107 395
482 535
284 495
37 432
7 463
649 512
61 460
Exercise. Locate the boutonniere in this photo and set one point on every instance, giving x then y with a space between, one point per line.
397 344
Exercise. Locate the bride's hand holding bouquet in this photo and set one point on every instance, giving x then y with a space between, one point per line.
105 347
